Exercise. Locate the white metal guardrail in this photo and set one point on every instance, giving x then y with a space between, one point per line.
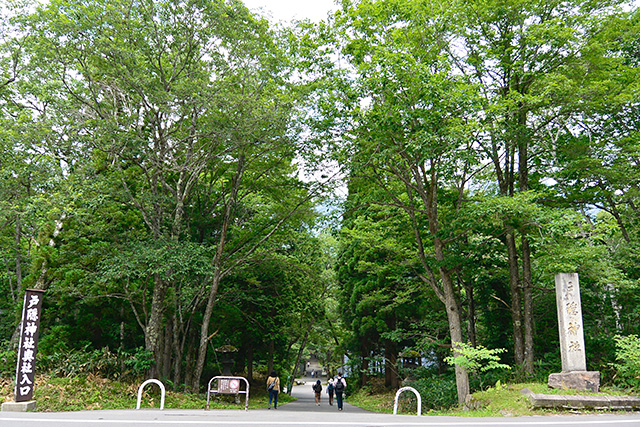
162 392
395 403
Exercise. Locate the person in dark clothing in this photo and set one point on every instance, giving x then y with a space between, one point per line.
317 388
340 386
330 390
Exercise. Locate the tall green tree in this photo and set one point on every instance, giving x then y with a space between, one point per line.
522 56
184 103
381 293
409 130
33 165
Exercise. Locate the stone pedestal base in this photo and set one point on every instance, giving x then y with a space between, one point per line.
27 406
618 403
577 380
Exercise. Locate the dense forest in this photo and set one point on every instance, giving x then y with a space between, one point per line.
186 180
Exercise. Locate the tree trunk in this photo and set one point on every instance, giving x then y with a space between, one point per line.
217 275
168 349
179 350
250 362
455 331
9 276
527 296
516 305
272 351
390 358
159 356
447 292
471 314
364 372
613 210
390 365
451 303
204 333
18 256
189 362
41 282
121 346
610 290
527 284
154 325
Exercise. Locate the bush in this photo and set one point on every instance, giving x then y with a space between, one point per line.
122 364
628 357
57 340
139 362
8 362
476 359
374 385
437 392
77 362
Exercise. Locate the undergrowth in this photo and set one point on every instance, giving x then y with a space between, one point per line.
90 392
500 400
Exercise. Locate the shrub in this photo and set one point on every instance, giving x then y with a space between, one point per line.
79 362
139 362
628 357
437 392
476 359
125 365
8 362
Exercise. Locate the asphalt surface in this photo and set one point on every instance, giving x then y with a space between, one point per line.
303 412
306 402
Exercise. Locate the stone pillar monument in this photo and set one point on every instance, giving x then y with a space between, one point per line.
572 350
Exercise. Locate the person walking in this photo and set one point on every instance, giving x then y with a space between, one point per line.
317 388
330 389
340 386
273 387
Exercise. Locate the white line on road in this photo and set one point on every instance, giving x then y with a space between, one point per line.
474 422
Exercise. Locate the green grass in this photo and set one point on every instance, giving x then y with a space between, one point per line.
378 402
503 400
91 392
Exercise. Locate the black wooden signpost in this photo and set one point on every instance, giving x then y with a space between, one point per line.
25 372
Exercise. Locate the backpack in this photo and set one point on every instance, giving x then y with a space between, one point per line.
271 385
339 385
317 388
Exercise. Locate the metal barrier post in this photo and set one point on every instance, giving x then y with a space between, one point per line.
395 402
162 392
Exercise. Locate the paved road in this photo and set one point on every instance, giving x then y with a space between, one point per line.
306 401
303 412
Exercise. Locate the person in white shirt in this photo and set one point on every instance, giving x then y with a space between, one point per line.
340 385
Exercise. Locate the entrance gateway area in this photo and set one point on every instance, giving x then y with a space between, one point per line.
308 409
300 413
303 413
